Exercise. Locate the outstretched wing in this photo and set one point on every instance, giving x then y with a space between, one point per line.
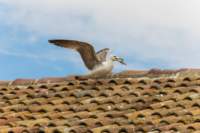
86 50
101 55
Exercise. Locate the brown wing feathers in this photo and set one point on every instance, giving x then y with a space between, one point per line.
86 50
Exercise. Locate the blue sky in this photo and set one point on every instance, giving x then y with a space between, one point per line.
148 34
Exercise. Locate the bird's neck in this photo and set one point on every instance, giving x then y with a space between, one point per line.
110 60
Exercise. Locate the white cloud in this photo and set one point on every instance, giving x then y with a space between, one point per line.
167 31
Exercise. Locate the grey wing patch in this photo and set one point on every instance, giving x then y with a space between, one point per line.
102 54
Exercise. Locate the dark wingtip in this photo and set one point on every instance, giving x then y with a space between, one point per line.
51 41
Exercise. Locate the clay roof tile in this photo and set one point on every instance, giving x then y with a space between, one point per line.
128 102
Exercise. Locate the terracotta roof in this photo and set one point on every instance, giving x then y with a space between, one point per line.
133 101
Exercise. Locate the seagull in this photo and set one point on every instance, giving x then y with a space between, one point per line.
98 63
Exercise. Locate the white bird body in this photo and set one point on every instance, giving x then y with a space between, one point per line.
103 69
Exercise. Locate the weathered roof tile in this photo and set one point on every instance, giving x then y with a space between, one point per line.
133 101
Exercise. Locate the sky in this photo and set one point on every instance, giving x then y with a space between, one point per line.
146 33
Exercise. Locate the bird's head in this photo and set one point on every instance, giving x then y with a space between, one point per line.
120 60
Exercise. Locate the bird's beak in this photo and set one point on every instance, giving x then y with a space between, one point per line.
122 61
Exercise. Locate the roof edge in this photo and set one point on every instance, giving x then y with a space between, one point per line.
152 73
